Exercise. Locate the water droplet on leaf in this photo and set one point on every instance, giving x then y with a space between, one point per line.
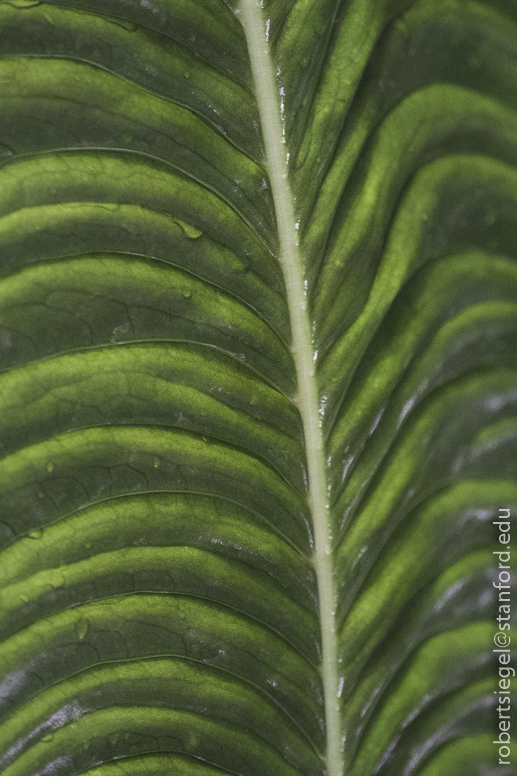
190 231
82 628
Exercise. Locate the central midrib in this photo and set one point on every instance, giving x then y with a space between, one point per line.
303 354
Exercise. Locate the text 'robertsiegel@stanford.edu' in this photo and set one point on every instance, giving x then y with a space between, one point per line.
502 637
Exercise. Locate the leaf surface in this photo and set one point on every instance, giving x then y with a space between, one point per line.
258 387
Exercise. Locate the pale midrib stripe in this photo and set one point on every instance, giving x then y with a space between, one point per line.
303 353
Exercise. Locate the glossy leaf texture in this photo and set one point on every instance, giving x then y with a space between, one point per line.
160 606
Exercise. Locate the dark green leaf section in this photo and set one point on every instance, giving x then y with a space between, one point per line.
139 55
208 29
84 552
159 610
43 89
407 222
98 176
134 300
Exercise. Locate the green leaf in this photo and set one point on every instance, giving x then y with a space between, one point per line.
258 386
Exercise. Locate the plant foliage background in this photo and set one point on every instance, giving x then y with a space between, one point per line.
160 610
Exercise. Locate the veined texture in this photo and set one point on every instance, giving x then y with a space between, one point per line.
258 388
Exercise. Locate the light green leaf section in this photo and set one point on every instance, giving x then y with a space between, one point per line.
258 384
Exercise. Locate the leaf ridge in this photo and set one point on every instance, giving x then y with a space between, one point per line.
307 398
